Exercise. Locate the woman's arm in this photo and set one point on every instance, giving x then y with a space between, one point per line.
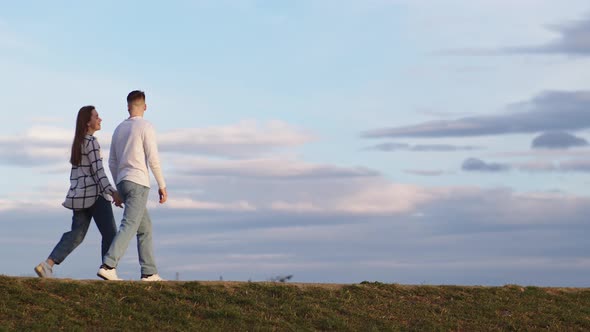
98 173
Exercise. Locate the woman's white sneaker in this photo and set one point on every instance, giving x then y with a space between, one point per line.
43 270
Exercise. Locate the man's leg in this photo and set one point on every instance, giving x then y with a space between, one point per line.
145 247
135 199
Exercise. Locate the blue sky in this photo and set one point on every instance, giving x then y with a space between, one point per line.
339 141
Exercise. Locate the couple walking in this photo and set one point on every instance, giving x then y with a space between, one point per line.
133 150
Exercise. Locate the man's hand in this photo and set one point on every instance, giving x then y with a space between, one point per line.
163 195
117 199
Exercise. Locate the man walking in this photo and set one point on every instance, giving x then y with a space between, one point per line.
133 149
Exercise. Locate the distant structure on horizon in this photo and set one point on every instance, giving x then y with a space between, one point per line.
281 278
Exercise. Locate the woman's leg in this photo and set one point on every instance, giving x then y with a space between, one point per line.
102 212
70 240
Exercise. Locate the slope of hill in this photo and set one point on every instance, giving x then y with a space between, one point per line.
58 304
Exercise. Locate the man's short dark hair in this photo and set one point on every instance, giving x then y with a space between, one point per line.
135 96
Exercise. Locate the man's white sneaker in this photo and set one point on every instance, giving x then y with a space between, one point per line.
108 274
43 270
153 277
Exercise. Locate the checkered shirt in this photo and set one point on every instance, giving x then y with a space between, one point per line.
88 180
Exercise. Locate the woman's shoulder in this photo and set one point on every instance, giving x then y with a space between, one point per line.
90 143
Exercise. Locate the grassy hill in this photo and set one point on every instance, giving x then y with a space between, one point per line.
58 304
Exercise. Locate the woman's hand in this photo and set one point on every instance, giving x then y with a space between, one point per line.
117 199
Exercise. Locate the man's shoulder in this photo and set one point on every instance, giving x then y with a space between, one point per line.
121 124
129 124
145 122
139 122
144 126
133 127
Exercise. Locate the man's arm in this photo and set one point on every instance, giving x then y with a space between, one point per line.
113 162
151 152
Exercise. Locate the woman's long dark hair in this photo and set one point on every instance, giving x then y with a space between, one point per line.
84 115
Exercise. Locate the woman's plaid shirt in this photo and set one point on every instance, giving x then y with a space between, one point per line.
88 180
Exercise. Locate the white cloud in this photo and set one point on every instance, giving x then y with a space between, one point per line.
29 205
41 145
536 166
271 167
184 203
317 196
243 139
385 199
393 146
254 236
37 146
297 207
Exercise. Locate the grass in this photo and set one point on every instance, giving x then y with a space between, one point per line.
54 304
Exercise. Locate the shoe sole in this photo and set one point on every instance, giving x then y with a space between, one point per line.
152 280
39 271
107 279
103 278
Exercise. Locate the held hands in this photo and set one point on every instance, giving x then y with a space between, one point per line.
163 195
117 199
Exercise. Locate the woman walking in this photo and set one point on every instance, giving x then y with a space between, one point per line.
89 194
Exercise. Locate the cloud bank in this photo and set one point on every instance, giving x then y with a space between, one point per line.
549 111
392 146
557 140
478 165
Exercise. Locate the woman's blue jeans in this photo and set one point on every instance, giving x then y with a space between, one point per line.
102 212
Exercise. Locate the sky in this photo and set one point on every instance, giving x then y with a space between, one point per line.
399 141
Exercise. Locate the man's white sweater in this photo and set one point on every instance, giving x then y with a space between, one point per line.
133 148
